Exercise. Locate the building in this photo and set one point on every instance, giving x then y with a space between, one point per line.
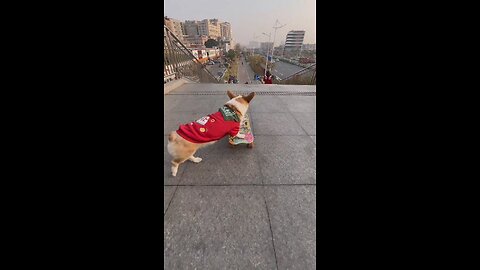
195 33
266 46
191 28
196 40
210 28
294 42
176 26
226 31
205 54
253 45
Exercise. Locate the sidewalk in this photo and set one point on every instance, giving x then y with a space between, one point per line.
244 208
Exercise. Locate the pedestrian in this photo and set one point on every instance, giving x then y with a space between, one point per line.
268 79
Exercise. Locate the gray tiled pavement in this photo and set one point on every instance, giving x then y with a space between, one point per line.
244 208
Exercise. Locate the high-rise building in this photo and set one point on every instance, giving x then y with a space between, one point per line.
294 42
226 31
176 26
194 32
210 28
191 28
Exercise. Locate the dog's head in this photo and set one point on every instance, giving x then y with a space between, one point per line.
239 103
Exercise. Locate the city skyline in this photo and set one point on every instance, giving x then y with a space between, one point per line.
251 17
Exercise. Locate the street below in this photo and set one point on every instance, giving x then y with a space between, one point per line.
283 69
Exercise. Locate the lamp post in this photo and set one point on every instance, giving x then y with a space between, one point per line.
274 35
254 39
273 44
266 58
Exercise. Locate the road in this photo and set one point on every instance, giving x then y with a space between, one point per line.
283 70
245 73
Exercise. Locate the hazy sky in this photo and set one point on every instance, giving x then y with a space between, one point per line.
249 17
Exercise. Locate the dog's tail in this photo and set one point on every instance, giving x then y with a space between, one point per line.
172 136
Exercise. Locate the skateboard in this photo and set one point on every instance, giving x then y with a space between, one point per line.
246 129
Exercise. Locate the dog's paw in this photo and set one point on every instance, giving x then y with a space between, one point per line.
196 160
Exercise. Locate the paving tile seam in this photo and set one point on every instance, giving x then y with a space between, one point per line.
258 158
171 199
174 192
298 123
271 231
240 185
223 91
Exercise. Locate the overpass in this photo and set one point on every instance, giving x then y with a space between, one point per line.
242 208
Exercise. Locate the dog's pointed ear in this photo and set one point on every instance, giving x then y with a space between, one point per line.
230 94
249 97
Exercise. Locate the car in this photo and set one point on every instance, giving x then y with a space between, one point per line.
210 63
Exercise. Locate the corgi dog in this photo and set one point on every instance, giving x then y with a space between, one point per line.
183 143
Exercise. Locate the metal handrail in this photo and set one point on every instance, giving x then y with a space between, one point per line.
173 44
181 44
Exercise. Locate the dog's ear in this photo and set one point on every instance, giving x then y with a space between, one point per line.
249 97
230 94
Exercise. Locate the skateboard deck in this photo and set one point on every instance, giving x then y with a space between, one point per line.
246 129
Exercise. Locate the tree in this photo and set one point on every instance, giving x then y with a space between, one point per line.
210 43
231 54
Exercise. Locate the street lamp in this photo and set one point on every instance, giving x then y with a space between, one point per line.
266 60
274 35
273 44
254 39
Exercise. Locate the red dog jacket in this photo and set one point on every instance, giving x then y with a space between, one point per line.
212 127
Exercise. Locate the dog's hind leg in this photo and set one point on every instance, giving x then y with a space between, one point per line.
198 159
175 163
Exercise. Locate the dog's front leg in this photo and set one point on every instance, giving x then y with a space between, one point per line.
195 159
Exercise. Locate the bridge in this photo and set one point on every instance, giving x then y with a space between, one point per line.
241 208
